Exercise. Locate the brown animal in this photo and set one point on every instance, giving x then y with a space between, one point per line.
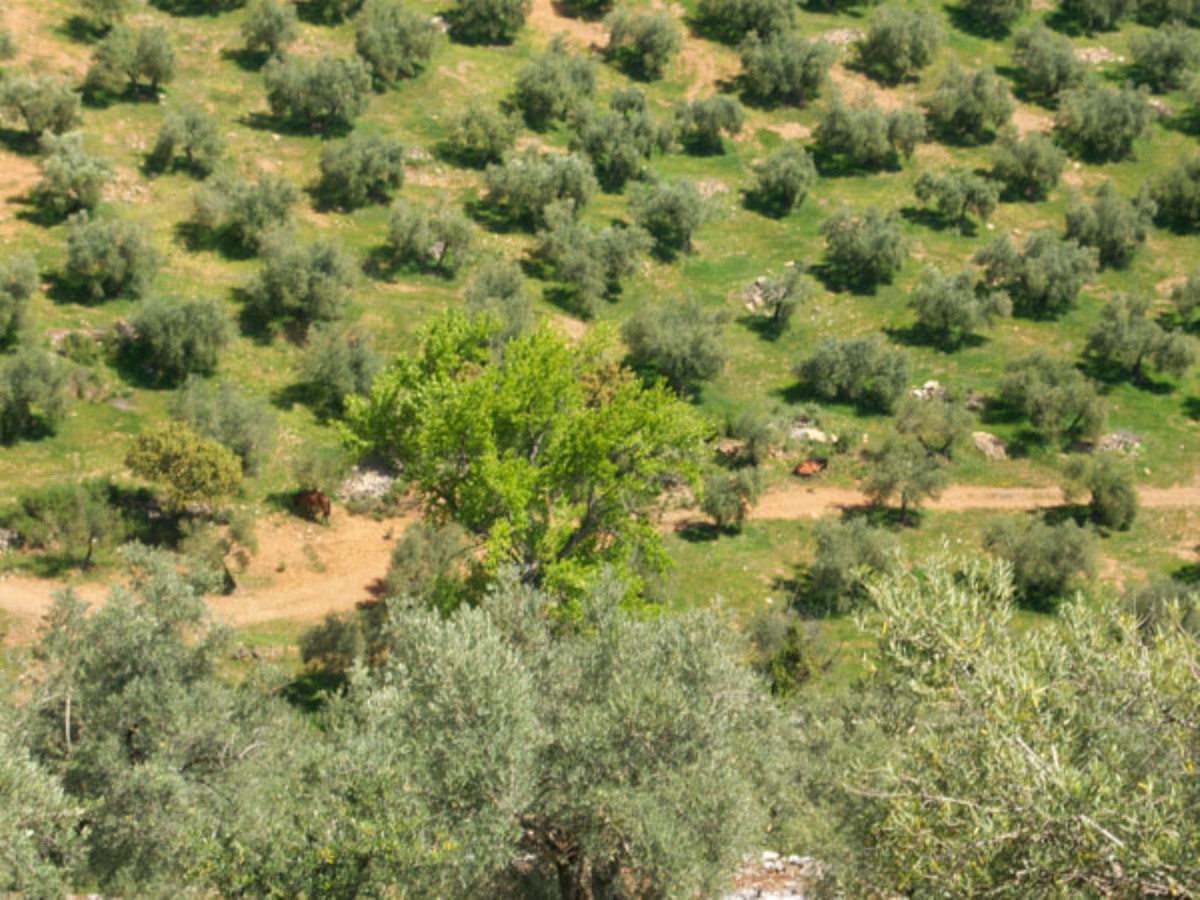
313 502
811 467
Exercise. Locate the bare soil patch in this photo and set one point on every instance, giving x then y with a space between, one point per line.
546 17
1027 119
791 131
858 88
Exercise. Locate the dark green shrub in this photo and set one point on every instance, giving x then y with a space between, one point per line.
1107 478
956 194
729 496
326 93
1175 194
679 340
994 17
864 249
331 12
487 21
862 371
847 553
396 42
1097 15
1099 122
361 170
19 280
1046 559
899 43
1186 298
174 339
1046 63
109 258
784 180
32 394
75 518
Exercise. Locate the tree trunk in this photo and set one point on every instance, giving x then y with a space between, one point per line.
904 507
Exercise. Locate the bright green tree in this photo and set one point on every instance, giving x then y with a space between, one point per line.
191 468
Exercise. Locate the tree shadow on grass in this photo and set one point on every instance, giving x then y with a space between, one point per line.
246 59
699 531
919 215
1191 408
967 20
196 238
326 131
838 280
20 142
919 336
1109 375
310 691
880 516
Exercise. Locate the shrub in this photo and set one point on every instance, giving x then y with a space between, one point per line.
497 289
335 365
592 262
901 467
326 93
1116 227
71 178
361 170
864 249
1097 15
1186 298
589 9
1046 559
861 371
142 58
240 421
1054 396
488 21
732 20
1175 194
102 15
437 242
73 517
304 283
785 68
950 309
1155 12
937 423
174 339
970 108
680 340
784 180
1100 123
1163 58
620 141
481 136
396 42
864 137
1043 278
521 188
956 194
193 469
643 44
995 17
195 134
699 124
846 554
243 213
1029 167
780 297
670 211
269 26
553 85
1108 480
32 394
1047 63
900 42
333 11
42 104
109 258
19 281
728 497
430 566
1126 339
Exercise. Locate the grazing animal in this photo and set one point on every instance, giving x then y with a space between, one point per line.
811 467
312 503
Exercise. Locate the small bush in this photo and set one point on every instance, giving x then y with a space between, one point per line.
620 141
864 137
140 61
670 211
396 42
1100 123
1054 396
41 104
327 93
846 555
938 424
680 340
643 44
956 195
192 133
71 178
950 309
244 214
240 421
431 565
785 68
1046 559
520 189
303 283
19 280
864 249
192 468
1029 167
1043 278
438 242
488 21
269 26
1126 340
335 365
1046 62
899 43
733 20
361 170
1107 478
700 124
109 258
482 136
1115 226
970 108
75 518
784 180
176 339
861 371
780 296
32 394
729 496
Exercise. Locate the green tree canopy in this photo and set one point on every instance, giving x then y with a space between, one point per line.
192 469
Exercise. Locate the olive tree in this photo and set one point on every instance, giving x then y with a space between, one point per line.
140 60
40 103
621 140
109 258
396 42
700 123
680 340
1126 340
243 213
173 339
732 20
1042 278
970 107
939 423
902 468
781 296
497 288
864 137
1097 15
1029 167
846 555
487 21
899 43
1112 224
481 135
643 44
995 17
102 15
1163 58
862 371
438 241
235 418
1107 480
19 280
950 309
32 394
522 187
269 26
956 194
1100 123
336 364
670 211
592 262
785 68
1046 559
1046 62
192 133
1175 194
553 85
328 92
863 249
1184 296
361 170
72 179
1056 398
304 283
729 496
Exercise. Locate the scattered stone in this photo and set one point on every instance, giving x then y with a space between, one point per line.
710 187
930 390
1123 441
1097 55
440 23
365 484
976 401
9 540
840 36
122 403
1164 109
124 330
417 154
804 430
730 447
989 445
